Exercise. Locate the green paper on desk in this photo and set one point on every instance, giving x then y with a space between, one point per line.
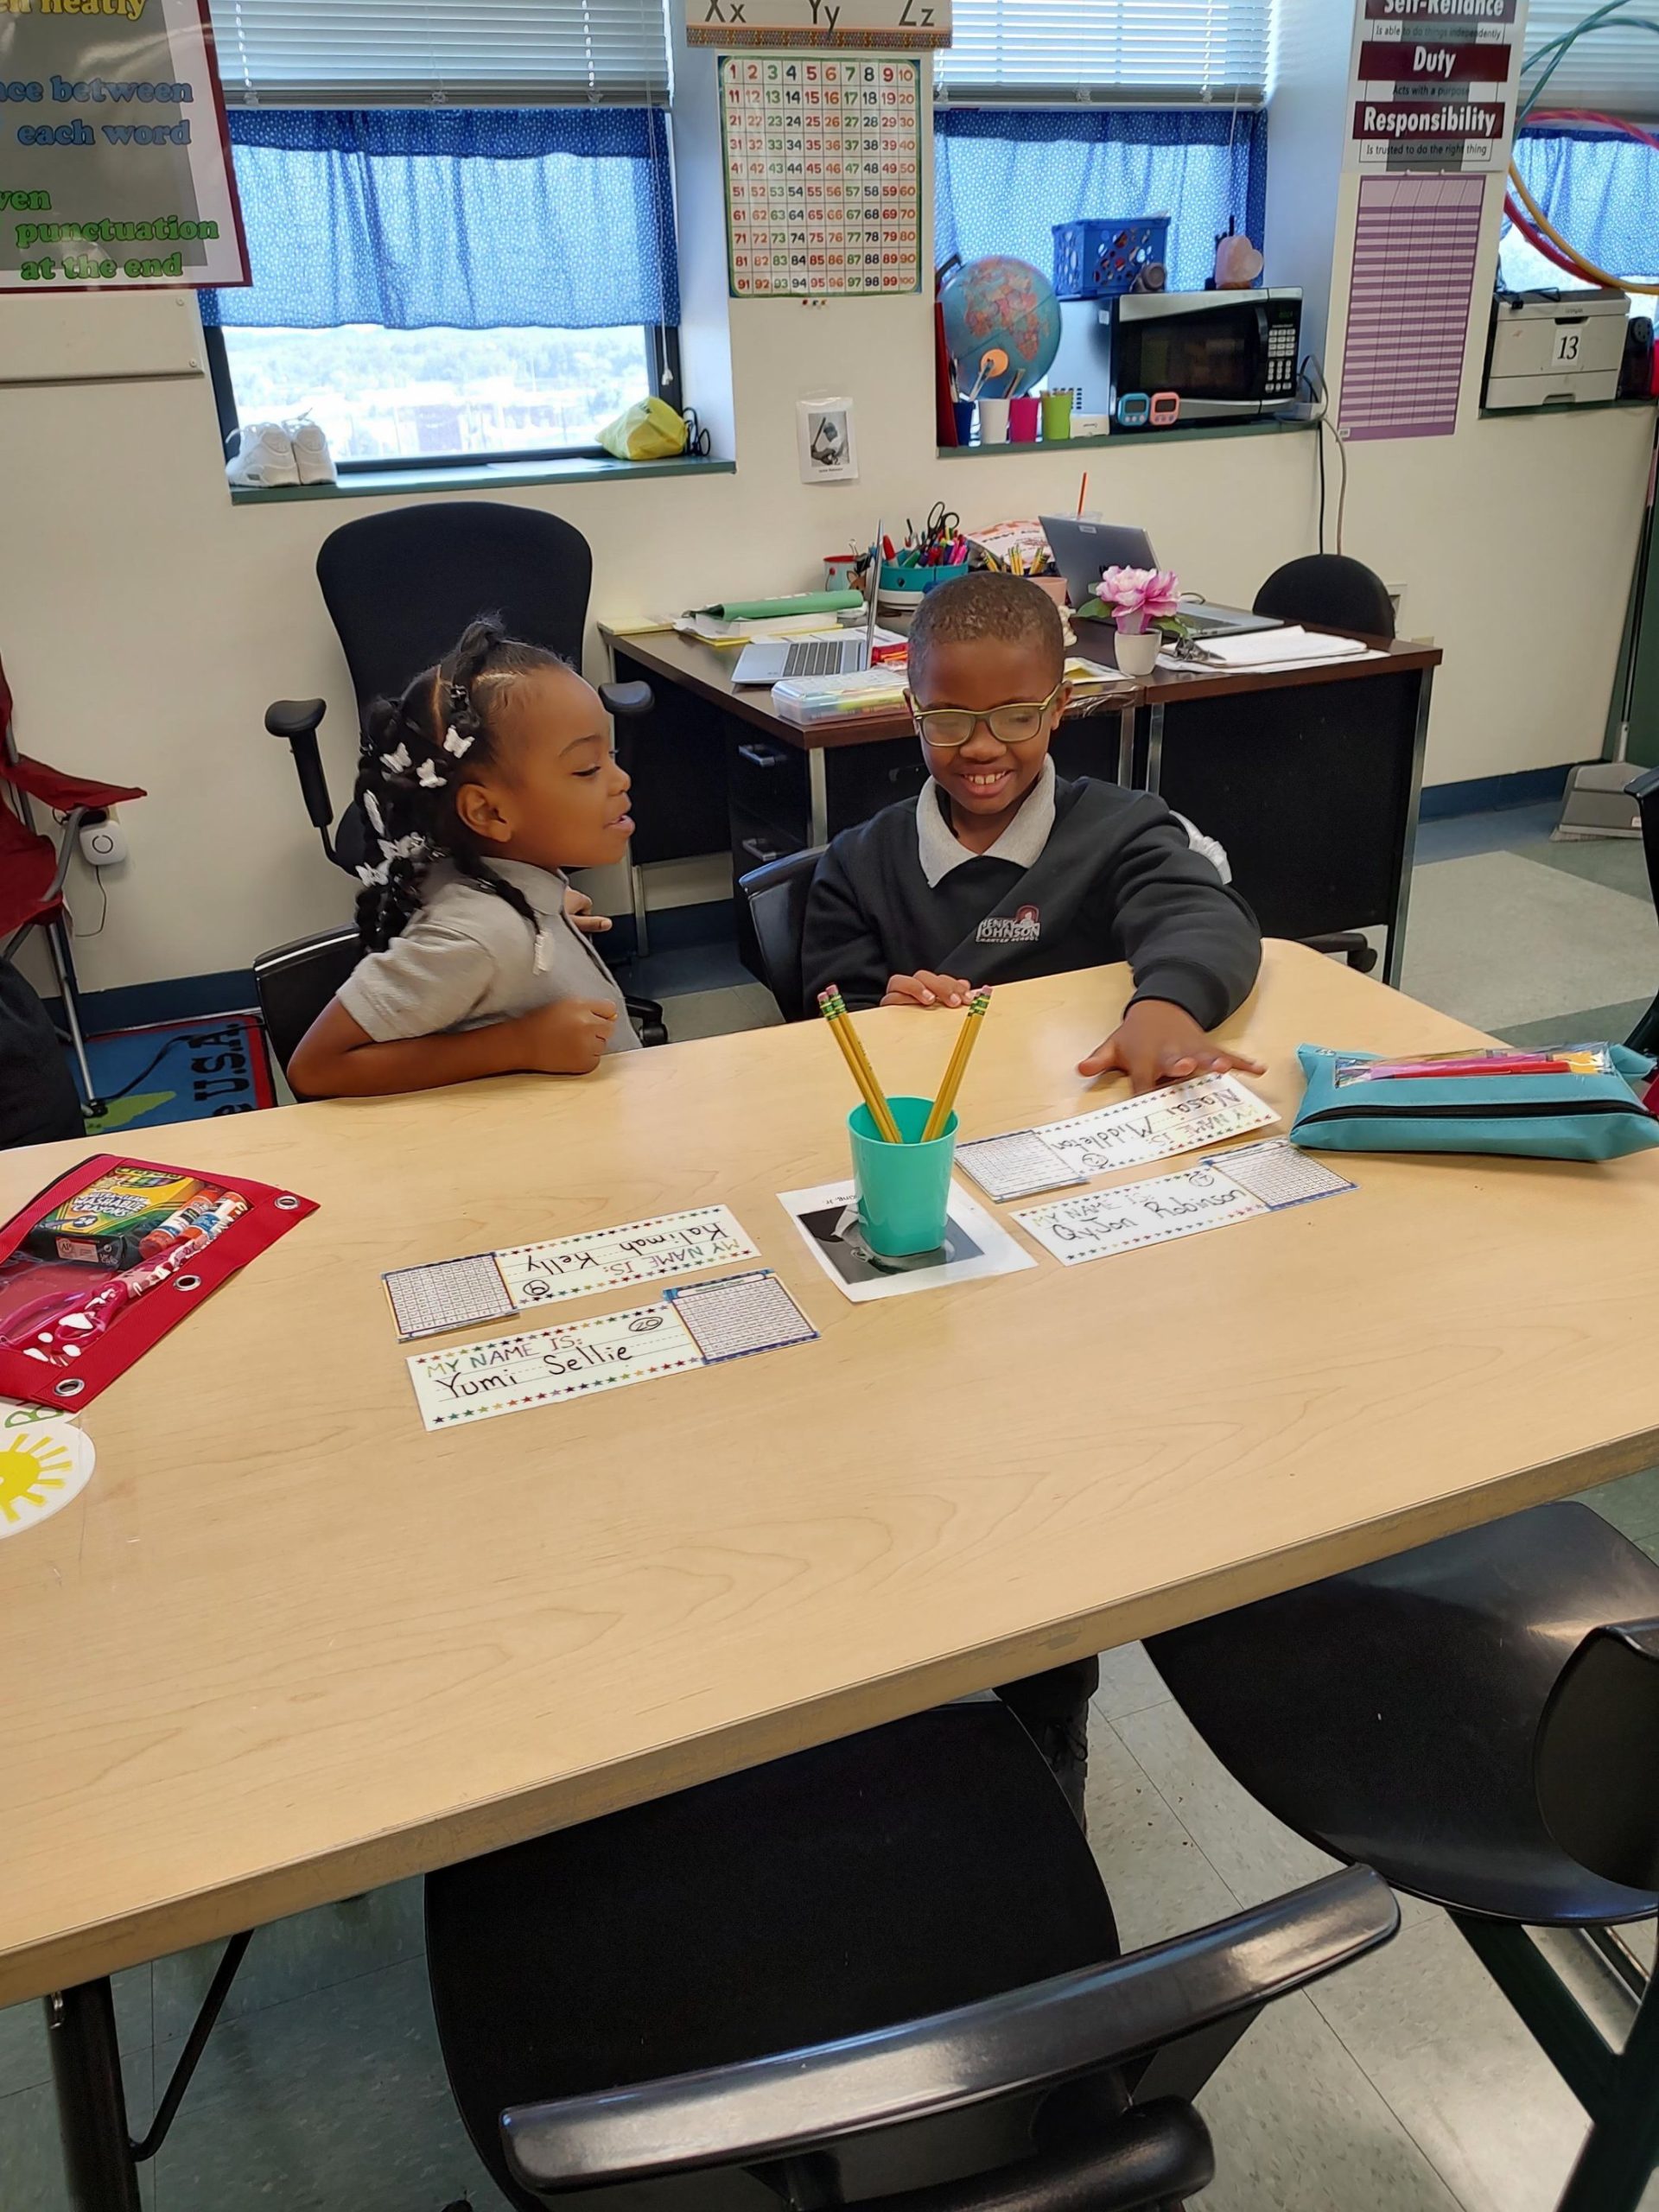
805 602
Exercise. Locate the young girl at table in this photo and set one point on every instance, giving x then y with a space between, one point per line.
490 777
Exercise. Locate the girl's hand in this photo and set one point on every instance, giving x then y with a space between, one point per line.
926 989
579 908
1155 1043
568 1038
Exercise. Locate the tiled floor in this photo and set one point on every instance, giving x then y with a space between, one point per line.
1403 2084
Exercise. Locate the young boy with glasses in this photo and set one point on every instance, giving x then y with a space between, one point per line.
1002 870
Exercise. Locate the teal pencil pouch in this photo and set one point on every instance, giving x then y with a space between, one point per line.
1546 1117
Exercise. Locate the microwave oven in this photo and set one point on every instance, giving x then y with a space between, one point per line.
1227 355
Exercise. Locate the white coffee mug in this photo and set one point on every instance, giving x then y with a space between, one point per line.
993 422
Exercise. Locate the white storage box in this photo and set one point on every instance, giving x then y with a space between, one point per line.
1555 349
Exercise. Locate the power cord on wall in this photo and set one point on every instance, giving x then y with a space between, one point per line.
1311 377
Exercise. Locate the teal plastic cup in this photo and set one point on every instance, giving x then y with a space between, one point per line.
903 1190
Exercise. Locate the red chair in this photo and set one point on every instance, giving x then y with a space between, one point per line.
33 868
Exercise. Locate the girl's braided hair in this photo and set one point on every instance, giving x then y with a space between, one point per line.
410 765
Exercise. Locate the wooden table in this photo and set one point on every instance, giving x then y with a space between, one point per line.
1310 777
287 1645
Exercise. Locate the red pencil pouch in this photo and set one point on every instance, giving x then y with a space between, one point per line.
102 1264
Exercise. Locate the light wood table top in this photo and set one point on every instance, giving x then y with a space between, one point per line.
287 1645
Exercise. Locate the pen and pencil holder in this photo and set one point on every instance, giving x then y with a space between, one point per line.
903 1190
963 412
1023 415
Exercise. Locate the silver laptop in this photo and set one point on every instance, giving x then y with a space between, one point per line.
778 659
1083 547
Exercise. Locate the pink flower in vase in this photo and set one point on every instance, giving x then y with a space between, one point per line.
1139 596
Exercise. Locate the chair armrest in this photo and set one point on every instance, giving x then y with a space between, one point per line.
292 718
297 720
627 700
1022 2040
1643 787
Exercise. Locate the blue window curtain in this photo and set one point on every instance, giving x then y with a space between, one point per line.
1004 177
1599 190
557 218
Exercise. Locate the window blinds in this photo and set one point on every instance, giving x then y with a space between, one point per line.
1614 67
361 53
1165 52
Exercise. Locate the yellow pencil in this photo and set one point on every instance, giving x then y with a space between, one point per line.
834 1009
971 1023
880 1109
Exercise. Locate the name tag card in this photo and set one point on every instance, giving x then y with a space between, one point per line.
1187 1117
607 1259
493 1286
1271 1177
1184 1118
572 1359
1099 1223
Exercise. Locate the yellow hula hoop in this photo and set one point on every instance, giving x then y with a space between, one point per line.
1581 262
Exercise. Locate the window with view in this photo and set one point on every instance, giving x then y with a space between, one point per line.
1050 110
464 279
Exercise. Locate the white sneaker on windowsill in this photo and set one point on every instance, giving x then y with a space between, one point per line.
263 455
315 462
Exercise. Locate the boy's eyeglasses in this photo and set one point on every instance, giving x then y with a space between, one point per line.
946 728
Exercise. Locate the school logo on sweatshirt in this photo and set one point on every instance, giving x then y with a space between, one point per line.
1024 927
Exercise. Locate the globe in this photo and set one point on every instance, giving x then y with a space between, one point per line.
1002 325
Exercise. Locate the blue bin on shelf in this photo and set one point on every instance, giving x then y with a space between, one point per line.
1102 256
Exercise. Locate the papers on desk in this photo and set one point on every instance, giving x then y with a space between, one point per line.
762 629
1184 1118
1097 1224
493 1286
974 1245
715 1322
1264 651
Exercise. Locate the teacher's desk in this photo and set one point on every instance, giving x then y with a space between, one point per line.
1310 777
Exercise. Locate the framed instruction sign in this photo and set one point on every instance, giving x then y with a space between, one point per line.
1432 85
117 174
818 22
822 160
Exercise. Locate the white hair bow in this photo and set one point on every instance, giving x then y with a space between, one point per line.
455 743
372 807
429 774
396 761
404 849
373 875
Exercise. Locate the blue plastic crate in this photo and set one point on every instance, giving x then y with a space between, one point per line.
1102 256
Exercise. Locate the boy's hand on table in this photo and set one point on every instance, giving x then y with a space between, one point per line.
579 908
569 1037
926 989
1155 1043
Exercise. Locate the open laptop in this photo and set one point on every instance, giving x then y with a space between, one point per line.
778 659
1083 547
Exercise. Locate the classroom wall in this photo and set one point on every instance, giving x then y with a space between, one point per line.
145 622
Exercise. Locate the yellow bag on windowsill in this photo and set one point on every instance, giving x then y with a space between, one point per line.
649 430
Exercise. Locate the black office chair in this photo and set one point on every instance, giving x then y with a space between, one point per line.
884 1972
1331 591
774 903
400 588
295 981
1479 1720
1644 1037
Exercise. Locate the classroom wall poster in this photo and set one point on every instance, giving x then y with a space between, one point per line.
822 160
117 173
895 23
1410 294
1433 85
